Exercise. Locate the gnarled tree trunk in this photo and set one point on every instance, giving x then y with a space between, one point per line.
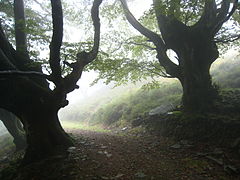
195 59
199 93
45 135
33 101
37 109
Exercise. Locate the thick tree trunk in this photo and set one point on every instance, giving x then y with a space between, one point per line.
198 92
197 56
14 127
45 135
37 109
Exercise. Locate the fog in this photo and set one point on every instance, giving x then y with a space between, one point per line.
3 130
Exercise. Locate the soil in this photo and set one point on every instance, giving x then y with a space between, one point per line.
128 156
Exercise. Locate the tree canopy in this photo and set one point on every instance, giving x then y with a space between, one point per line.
139 60
172 38
190 30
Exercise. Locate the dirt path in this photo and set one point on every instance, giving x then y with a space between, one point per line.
109 156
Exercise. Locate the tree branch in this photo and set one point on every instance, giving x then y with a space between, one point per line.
55 45
224 14
209 15
20 27
30 74
96 23
84 58
153 37
161 48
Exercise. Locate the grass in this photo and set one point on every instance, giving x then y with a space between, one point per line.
82 126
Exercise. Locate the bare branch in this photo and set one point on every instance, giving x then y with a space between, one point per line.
152 36
30 74
55 45
96 23
224 14
161 48
83 58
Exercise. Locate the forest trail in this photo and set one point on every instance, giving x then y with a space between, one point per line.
106 156
125 156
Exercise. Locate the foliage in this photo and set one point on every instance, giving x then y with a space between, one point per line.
123 104
130 57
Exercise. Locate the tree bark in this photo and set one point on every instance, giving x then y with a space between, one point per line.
196 58
45 135
37 109
198 92
33 101
20 28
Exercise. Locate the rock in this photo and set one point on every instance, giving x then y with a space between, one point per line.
161 109
103 147
71 149
107 154
104 178
118 176
140 175
124 129
100 152
174 112
176 146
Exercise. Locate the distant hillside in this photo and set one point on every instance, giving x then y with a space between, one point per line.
226 72
126 103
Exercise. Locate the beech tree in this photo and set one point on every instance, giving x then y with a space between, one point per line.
192 30
192 38
25 89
